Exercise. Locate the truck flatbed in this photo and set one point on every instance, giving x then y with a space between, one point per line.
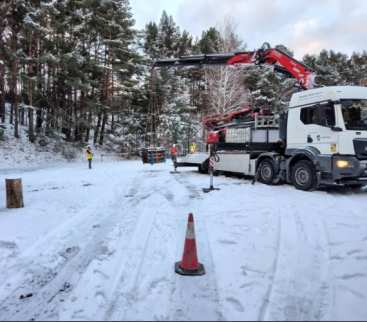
192 159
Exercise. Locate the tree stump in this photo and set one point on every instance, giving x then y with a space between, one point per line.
14 193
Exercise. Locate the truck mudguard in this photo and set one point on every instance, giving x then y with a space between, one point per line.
275 157
309 152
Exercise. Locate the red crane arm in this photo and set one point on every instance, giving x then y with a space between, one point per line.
282 62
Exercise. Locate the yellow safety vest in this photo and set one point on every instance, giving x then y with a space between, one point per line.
193 148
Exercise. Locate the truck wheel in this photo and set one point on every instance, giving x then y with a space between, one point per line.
304 176
266 172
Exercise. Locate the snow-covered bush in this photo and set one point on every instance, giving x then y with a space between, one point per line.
2 134
69 152
57 148
43 141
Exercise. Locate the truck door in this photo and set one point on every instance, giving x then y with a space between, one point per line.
317 122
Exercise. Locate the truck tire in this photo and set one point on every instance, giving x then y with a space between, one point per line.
266 172
304 175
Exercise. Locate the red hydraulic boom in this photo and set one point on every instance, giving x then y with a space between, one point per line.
282 62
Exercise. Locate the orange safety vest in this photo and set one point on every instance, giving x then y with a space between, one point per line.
173 150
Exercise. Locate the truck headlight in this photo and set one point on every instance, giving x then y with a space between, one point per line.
342 164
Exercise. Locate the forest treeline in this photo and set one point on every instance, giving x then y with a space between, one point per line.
81 70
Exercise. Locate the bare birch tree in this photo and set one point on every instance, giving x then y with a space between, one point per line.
225 89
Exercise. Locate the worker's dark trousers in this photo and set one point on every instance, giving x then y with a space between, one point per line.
174 160
90 164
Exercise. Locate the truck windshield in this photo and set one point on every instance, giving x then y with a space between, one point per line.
355 114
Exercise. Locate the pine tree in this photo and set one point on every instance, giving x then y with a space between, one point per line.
14 53
184 44
358 68
210 42
151 48
32 32
168 36
165 86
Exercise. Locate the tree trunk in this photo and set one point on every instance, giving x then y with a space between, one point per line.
23 98
2 93
51 91
22 116
15 99
31 125
104 121
82 117
11 119
98 126
39 120
38 73
89 122
14 76
77 116
31 74
2 68
14 193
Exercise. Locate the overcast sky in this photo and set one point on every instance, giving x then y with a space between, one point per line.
305 26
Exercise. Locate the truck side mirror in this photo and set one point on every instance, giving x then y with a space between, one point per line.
337 129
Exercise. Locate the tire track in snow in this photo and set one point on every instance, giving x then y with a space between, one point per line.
300 286
194 192
121 299
128 264
264 307
150 282
150 271
210 264
315 238
46 279
68 233
129 249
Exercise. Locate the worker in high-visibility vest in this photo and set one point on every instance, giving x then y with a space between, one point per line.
193 147
89 156
173 152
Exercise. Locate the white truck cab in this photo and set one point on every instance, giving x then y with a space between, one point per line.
328 125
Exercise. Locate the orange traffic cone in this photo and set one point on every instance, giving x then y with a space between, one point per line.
190 264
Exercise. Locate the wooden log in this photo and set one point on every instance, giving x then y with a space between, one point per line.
14 193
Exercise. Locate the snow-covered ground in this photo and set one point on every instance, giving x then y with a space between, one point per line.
20 154
102 243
